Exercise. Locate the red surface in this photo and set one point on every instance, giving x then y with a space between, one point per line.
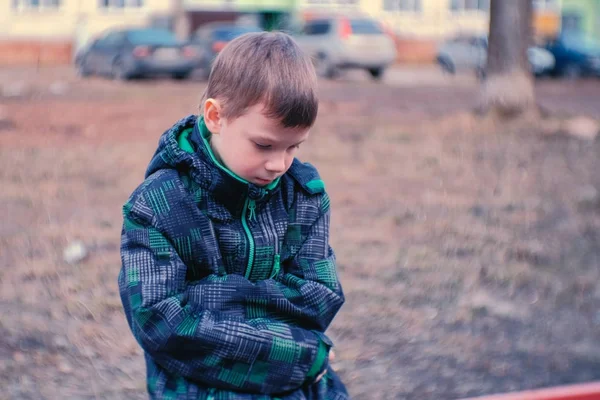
587 391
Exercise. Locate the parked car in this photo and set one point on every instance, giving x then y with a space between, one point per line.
129 53
576 55
342 41
209 40
469 53
541 61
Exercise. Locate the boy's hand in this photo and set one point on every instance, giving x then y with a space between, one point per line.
322 374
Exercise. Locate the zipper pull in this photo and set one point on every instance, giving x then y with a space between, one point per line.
211 394
276 266
252 209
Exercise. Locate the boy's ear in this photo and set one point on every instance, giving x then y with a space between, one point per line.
212 115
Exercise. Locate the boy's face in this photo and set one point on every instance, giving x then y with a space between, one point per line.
253 146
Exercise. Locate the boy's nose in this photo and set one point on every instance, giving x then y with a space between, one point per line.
276 165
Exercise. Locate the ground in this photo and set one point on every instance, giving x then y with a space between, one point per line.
470 259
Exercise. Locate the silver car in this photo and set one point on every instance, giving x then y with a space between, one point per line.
469 53
340 42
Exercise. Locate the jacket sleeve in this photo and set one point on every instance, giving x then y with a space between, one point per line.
310 291
306 292
199 330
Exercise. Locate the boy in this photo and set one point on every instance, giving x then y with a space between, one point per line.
228 280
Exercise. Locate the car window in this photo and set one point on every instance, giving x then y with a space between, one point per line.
460 40
100 43
229 33
152 37
317 27
96 44
365 27
581 43
110 39
202 34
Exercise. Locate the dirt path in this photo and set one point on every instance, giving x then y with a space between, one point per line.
470 262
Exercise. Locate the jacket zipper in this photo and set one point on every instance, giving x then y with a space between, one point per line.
251 207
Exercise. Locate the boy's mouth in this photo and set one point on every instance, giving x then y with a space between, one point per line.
261 181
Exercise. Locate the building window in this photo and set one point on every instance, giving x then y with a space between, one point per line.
414 6
546 5
333 2
469 5
572 22
118 4
36 5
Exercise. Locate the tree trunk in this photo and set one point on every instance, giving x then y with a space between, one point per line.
508 89
181 22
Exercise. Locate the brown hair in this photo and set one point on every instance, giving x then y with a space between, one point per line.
268 68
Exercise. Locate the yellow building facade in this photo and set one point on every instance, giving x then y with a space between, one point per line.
419 24
61 19
430 18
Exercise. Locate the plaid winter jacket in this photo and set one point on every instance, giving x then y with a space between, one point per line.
227 286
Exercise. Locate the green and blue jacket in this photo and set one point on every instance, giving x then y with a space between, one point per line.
228 286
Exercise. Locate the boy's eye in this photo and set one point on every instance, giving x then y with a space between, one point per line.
295 147
262 146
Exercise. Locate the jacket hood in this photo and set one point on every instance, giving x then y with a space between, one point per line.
185 147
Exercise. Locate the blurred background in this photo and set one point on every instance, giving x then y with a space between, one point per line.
457 138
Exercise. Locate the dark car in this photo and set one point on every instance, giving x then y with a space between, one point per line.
209 40
129 53
576 55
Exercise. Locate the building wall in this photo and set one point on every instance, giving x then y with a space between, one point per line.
47 24
266 5
589 10
62 23
328 4
434 20
239 5
53 35
419 31
98 19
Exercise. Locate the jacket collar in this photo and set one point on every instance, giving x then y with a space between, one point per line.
227 187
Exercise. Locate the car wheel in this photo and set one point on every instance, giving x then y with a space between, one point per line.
180 76
446 65
324 67
376 73
82 69
480 73
572 71
119 72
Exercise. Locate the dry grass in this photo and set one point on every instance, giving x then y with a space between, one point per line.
468 263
